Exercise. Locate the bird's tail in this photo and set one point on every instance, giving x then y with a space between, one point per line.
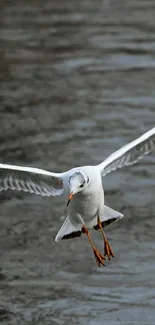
109 216
68 230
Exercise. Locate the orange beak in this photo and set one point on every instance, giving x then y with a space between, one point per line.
70 198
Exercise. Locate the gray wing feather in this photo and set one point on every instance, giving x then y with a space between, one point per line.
30 180
130 153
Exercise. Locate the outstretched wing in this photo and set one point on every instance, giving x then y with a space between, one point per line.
130 153
29 179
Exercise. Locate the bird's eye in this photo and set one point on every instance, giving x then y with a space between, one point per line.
81 185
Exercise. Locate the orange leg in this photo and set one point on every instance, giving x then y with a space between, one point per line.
98 256
107 249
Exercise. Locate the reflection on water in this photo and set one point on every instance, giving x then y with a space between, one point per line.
76 83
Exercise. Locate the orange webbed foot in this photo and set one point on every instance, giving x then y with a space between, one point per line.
99 257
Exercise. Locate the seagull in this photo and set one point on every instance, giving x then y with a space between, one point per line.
82 189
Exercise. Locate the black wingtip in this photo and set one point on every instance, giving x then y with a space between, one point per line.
105 223
72 235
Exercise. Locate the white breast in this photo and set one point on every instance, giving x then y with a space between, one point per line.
87 203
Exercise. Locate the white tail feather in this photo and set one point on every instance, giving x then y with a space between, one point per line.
111 213
109 216
68 230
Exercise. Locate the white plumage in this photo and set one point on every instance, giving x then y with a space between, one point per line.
29 179
85 183
130 153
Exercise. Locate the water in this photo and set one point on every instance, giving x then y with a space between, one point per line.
76 83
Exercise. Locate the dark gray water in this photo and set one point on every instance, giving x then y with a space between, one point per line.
77 81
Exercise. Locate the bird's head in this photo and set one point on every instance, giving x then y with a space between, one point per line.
78 180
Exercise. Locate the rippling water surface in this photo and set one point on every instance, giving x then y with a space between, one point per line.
77 81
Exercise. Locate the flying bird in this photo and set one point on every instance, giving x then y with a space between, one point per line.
82 189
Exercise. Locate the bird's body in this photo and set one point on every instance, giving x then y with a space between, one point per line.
90 201
84 184
87 205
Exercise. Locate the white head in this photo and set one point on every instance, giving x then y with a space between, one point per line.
78 180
